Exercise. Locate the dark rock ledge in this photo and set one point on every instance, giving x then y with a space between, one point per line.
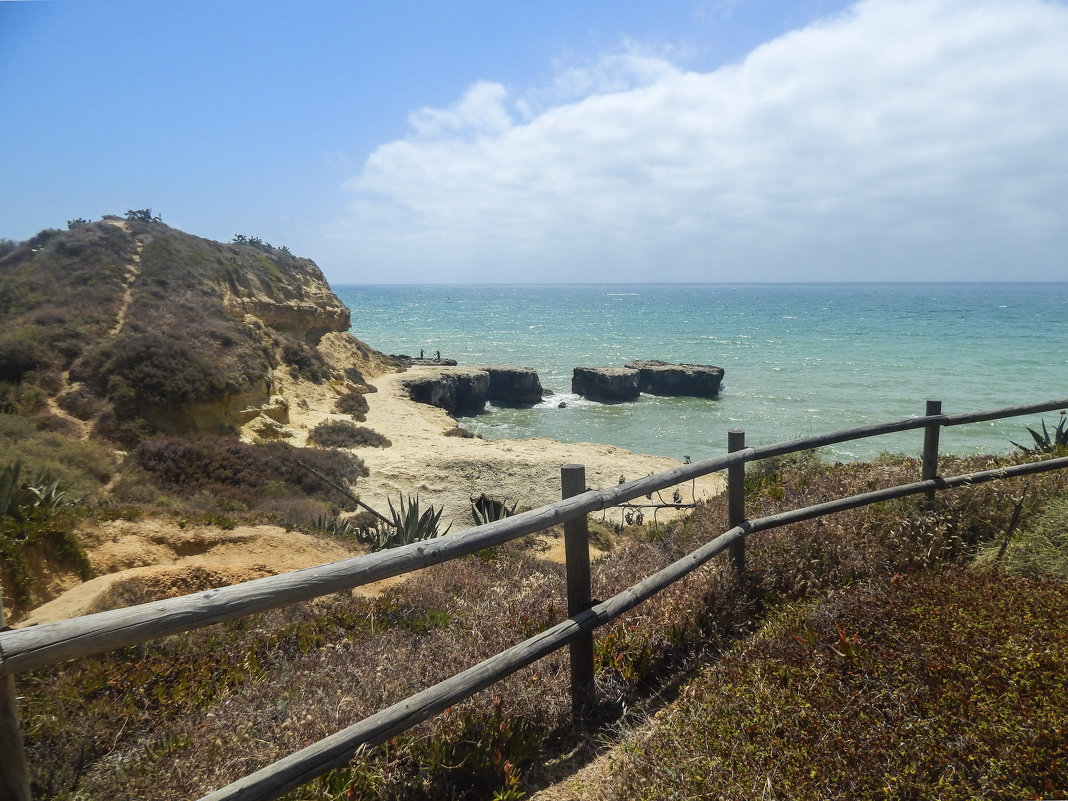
466 390
617 384
661 378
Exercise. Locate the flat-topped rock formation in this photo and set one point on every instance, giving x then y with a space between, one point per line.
466 390
514 386
421 361
617 384
661 378
606 384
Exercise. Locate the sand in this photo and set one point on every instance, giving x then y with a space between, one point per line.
450 471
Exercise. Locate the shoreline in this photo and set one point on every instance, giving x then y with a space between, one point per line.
449 471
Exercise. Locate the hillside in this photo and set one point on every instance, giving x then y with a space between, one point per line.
130 327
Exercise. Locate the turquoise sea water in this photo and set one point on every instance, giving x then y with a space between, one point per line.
800 359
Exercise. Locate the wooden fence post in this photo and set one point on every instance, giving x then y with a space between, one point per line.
14 774
930 445
736 497
579 594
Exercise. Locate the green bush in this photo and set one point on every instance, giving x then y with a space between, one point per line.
343 434
20 353
150 368
1048 442
353 404
83 465
228 470
410 524
34 518
305 362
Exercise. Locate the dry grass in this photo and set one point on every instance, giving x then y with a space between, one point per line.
179 717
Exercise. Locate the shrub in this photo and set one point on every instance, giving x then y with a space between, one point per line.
23 399
353 404
83 465
237 471
1048 442
20 354
304 362
343 434
81 403
153 369
409 525
461 432
488 510
33 519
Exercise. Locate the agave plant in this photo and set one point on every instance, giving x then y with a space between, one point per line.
486 510
40 496
409 524
1047 442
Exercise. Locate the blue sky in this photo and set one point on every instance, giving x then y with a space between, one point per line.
479 141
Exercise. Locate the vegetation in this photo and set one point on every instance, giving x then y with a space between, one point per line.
343 434
487 510
353 404
460 431
247 476
943 685
410 524
136 312
32 521
200 710
883 662
1048 442
1041 549
256 242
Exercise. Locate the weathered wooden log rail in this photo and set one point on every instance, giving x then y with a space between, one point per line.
37 646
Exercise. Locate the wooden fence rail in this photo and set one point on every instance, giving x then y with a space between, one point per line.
37 646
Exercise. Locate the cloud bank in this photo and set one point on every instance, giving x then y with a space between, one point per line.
901 140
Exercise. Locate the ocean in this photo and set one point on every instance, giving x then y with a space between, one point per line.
800 359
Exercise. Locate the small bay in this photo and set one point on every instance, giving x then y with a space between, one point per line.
800 359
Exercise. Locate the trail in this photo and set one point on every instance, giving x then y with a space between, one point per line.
133 272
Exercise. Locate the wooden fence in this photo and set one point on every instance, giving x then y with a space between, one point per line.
37 646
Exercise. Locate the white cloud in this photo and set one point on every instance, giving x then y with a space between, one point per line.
903 139
480 110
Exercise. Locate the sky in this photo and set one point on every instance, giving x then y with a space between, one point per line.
603 141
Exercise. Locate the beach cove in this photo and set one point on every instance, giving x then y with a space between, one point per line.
800 359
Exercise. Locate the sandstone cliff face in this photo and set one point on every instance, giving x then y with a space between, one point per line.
300 306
